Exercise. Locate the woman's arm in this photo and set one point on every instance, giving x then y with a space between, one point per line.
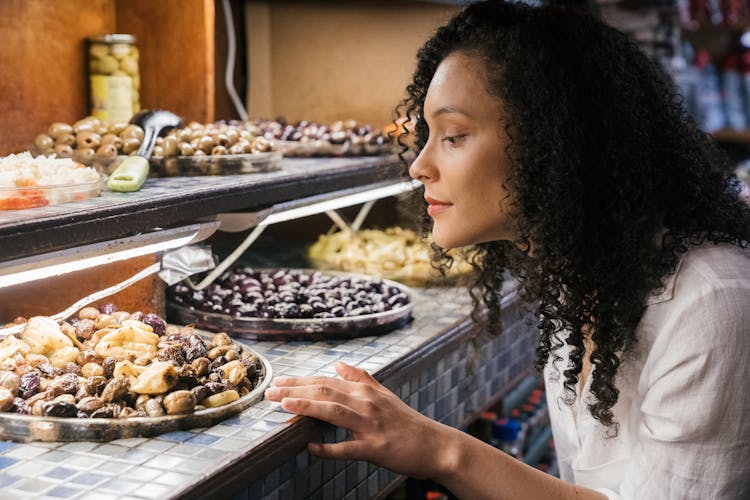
388 433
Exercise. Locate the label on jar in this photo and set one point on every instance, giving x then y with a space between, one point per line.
112 97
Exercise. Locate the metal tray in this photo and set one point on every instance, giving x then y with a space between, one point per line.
177 166
27 428
299 329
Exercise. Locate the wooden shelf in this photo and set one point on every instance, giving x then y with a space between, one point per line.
729 136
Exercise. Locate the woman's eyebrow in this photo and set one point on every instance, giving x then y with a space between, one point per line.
450 109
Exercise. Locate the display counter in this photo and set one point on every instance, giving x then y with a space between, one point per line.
431 364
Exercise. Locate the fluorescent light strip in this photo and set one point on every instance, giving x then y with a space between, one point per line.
344 201
87 262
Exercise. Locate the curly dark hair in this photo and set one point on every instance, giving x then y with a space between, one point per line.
611 177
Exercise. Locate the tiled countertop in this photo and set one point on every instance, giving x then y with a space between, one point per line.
178 463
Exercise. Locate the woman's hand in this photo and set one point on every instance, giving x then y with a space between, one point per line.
385 430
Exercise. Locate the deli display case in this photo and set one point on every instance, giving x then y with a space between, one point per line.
433 357
260 452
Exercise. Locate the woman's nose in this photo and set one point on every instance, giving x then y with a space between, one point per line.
420 168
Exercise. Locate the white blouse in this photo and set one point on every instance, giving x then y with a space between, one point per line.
684 404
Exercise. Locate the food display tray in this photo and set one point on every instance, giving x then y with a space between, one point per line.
311 329
27 428
177 166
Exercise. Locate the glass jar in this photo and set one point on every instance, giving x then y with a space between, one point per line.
114 79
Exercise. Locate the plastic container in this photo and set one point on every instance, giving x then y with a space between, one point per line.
40 196
114 77
178 166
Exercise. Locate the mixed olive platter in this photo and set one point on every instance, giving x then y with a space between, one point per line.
292 304
108 374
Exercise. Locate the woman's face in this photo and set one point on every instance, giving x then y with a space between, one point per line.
463 165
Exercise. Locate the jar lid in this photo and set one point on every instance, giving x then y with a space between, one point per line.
113 38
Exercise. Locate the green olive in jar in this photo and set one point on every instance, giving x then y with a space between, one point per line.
107 65
129 65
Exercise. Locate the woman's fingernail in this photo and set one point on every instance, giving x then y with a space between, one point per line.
313 448
272 393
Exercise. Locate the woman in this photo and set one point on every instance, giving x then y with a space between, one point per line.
550 142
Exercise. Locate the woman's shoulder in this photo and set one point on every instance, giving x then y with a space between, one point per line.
707 296
719 264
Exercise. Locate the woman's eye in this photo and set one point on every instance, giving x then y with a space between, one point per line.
454 140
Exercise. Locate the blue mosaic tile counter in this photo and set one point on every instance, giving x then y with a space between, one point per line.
261 452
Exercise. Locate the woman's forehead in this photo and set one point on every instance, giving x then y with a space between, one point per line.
459 85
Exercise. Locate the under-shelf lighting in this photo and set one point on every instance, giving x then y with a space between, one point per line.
32 269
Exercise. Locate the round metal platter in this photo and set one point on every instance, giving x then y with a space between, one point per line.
300 329
26 428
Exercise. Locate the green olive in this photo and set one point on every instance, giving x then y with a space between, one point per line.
158 152
219 150
232 136
185 135
130 145
84 155
67 139
98 50
195 126
107 150
120 50
107 65
63 150
262 145
43 142
57 129
206 143
221 139
118 127
113 139
169 146
132 131
186 149
129 65
88 139
236 150
84 126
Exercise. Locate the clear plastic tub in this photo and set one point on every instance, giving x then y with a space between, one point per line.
178 166
17 198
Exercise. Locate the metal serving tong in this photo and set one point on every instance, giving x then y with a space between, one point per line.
175 266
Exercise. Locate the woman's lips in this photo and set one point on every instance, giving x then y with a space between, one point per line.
436 206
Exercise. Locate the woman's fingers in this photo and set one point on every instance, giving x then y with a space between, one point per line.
318 392
353 374
335 413
336 383
346 450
